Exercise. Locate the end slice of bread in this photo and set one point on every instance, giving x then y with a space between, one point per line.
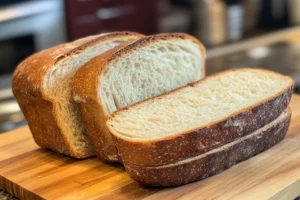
42 86
214 161
149 67
199 117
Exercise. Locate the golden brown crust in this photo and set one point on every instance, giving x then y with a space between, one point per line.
37 107
211 163
204 138
157 38
42 124
85 90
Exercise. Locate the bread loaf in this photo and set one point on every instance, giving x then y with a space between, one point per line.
197 118
213 161
149 67
42 86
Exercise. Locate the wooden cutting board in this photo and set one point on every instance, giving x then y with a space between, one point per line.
29 172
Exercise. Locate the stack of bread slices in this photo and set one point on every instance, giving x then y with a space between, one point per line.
143 101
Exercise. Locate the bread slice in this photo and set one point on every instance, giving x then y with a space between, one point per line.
214 161
149 67
199 117
42 86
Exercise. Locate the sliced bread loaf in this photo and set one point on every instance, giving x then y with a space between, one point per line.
149 67
42 86
194 119
214 161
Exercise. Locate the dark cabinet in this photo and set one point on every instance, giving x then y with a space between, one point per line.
88 17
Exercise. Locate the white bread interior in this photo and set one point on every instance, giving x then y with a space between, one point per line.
204 103
150 71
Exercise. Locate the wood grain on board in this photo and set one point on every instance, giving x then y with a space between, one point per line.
29 172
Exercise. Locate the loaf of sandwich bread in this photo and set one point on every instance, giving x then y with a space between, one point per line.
125 75
42 86
215 160
199 117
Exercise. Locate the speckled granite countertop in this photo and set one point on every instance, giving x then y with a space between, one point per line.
6 196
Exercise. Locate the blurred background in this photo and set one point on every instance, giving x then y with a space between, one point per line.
237 33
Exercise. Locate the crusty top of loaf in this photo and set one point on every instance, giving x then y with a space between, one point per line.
152 39
29 75
84 91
